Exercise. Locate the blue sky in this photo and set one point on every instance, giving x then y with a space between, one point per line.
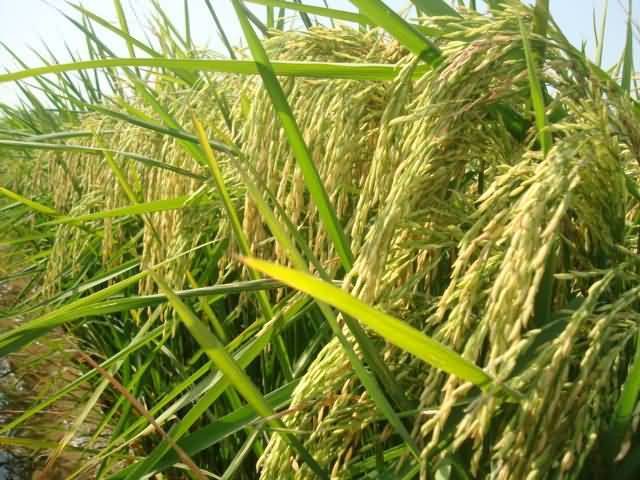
30 23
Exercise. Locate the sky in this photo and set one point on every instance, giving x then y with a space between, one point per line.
30 24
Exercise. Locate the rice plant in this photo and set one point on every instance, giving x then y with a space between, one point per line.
365 245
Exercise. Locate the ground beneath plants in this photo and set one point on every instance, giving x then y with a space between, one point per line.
26 378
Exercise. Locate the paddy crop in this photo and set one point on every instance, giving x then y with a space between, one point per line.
366 246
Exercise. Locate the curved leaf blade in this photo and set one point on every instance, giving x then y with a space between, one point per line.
392 329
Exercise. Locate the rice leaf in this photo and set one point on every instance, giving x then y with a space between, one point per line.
19 336
173 132
435 8
627 56
312 178
221 32
323 70
98 151
320 11
135 209
537 96
600 36
404 32
38 207
235 375
234 422
623 414
241 239
124 27
395 331
25 333
124 34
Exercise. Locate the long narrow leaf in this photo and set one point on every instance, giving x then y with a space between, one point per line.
38 207
312 178
627 56
537 96
320 11
600 36
623 415
228 366
435 8
403 31
97 151
323 70
395 331
135 209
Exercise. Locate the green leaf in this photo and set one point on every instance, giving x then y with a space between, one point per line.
232 371
322 70
537 96
403 31
240 419
627 57
221 31
173 132
38 207
135 209
320 11
541 18
312 178
390 328
623 415
98 151
435 8
19 336
24 239
208 391
241 239
122 19
133 302
124 34
600 42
